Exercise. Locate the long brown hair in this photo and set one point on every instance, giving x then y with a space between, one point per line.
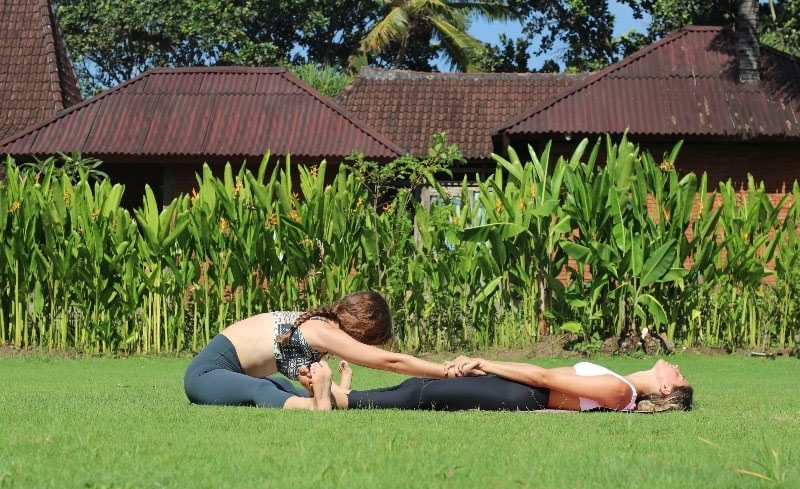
363 315
680 399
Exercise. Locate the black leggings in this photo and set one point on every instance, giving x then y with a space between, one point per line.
215 376
488 392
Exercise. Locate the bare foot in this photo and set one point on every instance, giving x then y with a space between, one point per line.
345 375
304 377
321 384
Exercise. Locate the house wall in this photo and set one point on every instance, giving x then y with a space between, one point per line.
777 165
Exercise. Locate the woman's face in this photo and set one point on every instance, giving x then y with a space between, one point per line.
669 375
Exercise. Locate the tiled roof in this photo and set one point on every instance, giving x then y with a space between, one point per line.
36 77
205 112
685 85
410 107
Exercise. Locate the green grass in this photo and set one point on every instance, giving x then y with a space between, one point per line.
102 423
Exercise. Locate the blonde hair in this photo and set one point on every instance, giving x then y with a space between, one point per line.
680 399
363 315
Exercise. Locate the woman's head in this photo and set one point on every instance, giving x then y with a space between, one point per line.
673 392
363 315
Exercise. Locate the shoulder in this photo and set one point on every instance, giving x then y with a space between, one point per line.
590 369
318 331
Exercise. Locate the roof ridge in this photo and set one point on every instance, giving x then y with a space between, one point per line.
45 23
217 69
596 77
370 73
778 52
356 122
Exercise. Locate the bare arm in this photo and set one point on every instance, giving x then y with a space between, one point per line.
345 347
608 390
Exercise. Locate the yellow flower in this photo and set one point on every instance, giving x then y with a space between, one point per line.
194 196
498 205
522 205
67 197
666 166
13 207
95 213
237 189
314 171
294 215
533 191
359 202
700 210
272 220
223 225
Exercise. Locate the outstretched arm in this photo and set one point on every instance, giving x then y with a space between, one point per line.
608 390
345 347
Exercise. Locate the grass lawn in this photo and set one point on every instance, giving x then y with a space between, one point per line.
103 423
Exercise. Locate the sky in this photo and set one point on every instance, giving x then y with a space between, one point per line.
490 31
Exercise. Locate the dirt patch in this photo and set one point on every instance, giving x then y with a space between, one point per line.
12 351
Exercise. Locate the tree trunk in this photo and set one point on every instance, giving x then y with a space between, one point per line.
747 32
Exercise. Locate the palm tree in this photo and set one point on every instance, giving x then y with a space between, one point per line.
448 22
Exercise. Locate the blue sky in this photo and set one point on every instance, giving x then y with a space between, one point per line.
490 31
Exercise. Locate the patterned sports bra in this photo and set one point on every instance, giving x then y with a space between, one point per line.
297 352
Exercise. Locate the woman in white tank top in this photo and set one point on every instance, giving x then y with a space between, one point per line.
587 386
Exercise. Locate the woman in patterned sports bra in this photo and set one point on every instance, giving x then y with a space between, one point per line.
235 368
492 385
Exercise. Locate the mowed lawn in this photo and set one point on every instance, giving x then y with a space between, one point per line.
125 423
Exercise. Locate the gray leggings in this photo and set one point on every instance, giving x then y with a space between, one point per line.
215 376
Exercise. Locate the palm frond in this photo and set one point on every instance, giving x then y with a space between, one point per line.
461 50
390 28
487 10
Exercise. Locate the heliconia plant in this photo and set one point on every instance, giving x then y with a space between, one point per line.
608 241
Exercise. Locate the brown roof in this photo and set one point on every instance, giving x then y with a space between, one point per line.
410 107
685 85
205 112
36 77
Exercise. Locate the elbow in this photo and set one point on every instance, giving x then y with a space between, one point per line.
393 363
538 378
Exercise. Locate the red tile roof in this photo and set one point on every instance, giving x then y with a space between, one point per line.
410 107
205 112
36 77
686 85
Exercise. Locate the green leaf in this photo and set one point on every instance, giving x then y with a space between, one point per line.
654 307
658 263
488 289
572 327
580 253
501 230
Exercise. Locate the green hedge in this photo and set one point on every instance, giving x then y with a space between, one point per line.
542 246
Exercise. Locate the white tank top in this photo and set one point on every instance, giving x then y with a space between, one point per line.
586 369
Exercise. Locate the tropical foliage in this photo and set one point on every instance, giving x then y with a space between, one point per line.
442 21
607 242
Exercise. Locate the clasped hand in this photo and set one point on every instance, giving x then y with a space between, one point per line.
463 367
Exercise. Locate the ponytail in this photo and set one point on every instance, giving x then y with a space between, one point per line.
323 312
362 315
